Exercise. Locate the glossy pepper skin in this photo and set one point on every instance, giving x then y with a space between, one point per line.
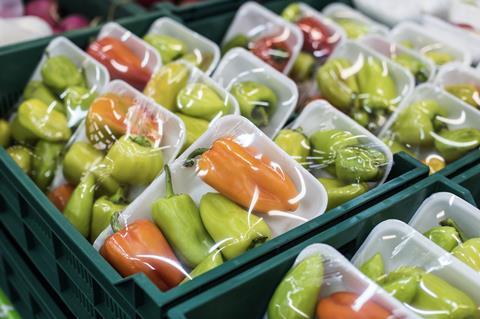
79 208
469 253
212 261
303 67
45 158
297 293
345 305
295 144
22 156
237 173
377 87
327 143
61 195
272 49
446 237
179 219
239 40
59 72
133 161
453 144
168 47
317 38
80 157
465 92
194 127
412 64
257 101
339 192
77 102
120 61
102 212
356 164
5 133
141 247
230 225
201 101
37 90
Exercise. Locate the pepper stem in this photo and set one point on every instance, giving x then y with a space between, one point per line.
118 197
115 222
189 162
451 223
257 241
168 182
141 140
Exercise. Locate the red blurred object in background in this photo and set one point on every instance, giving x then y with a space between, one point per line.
318 39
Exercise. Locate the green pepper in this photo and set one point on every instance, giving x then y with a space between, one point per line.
35 120
257 101
446 237
303 67
168 47
339 192
408 44
466 92
297 294
231 226
469 253
361 116
178 218
326 144
77 101
356 164
295 144
354 29
59 73
45 158
292 12
455 143
374 268
79 207
103 211
80 157
194 127
396 147
6 309
439 58
134 161
5 133
239 40
37 90
201 60
201 101
212 261
412 64
22 156
403 283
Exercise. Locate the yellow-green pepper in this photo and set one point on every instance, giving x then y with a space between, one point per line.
4 133
45 158
22 156
37 90
201 101
295 144
79 207
59 73
168 47
257 101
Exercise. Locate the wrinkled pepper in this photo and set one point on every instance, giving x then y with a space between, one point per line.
326 145
453 144
273 50
80 157
79 207
239 174
120 61
141 247
37 90
257 101
59 73
201 101
102 212
22 156
231 226
297 293
194 129
168 47
45 158
5 133
346 305
295 144
133 160
61 195
466 92
339 192
179 219
212 261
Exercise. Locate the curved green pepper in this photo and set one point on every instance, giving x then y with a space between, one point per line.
326 144
37 90
257 101
45 158
201 101
77 102
231 226
297 294
295 144
403 283
5 133
466 92
22 156
356 164
102 212
194 127
339 192
80 157
412 64
239 40
469 253
133 161
59 73
446 237
79 207
455 143
35 120
212 261
168 47
178 218
303 67
374 268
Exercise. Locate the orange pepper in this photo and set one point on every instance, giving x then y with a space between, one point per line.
342 305
238 172
120 60
141 247
60 196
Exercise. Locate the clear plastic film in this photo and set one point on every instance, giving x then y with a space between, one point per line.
126 56
192 95
266 35
265 96
426 279
346 158
323 284
363 84
54 102
429 44
117 152
461 81
230 192
434 127
173 41
453 224
422 68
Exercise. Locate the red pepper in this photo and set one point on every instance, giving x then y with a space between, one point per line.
318 39
60 196
273 49
120 61
141 247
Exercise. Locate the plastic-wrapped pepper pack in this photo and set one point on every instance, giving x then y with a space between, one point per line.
345 157
230 192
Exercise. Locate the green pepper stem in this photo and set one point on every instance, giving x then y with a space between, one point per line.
118 197
257 241
451 223
141 140
115 222
189 162
168 182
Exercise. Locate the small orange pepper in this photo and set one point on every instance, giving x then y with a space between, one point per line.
60 196
342 305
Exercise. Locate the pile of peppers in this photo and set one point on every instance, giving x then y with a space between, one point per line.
423 292
350 166
186 239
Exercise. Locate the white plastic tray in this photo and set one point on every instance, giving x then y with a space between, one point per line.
457 73
240 65
463 12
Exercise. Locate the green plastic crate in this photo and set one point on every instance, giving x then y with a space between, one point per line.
470 160
470 180
247 295
199 10
22 287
